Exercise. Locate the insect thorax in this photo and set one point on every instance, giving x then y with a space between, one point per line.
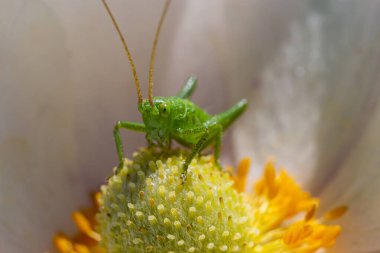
167 116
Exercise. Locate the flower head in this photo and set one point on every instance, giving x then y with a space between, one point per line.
146 207
309 69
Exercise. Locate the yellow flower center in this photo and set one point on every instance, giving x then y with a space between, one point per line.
147 208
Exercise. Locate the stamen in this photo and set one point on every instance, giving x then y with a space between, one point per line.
297 233
335 213
310 214
96 198
242 172
270 176
84 225
63 244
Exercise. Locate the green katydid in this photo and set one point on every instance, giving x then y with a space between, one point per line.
174 118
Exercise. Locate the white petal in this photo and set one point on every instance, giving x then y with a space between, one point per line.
65 81
310 90
211 43
313 107
356 184
197 49
37 136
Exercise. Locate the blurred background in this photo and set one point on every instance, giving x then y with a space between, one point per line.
310 70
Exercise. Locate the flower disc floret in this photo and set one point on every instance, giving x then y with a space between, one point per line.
162 214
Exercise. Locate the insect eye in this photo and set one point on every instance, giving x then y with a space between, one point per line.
164 109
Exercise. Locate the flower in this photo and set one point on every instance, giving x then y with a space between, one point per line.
146 207
309 70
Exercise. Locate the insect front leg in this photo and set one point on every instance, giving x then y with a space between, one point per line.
140 127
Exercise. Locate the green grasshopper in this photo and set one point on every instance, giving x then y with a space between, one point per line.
168 118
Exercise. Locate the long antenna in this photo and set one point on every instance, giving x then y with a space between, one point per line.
153 55
127 51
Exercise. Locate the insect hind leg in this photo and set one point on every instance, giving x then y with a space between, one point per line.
194 152
209 131
218 144
228 117
189 87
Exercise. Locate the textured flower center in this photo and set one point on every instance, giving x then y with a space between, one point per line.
147 208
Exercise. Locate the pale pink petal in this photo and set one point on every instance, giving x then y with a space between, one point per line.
309 70
357 184
64 82
314 108
311 90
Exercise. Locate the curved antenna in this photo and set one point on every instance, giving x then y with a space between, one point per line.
127 51
153 55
